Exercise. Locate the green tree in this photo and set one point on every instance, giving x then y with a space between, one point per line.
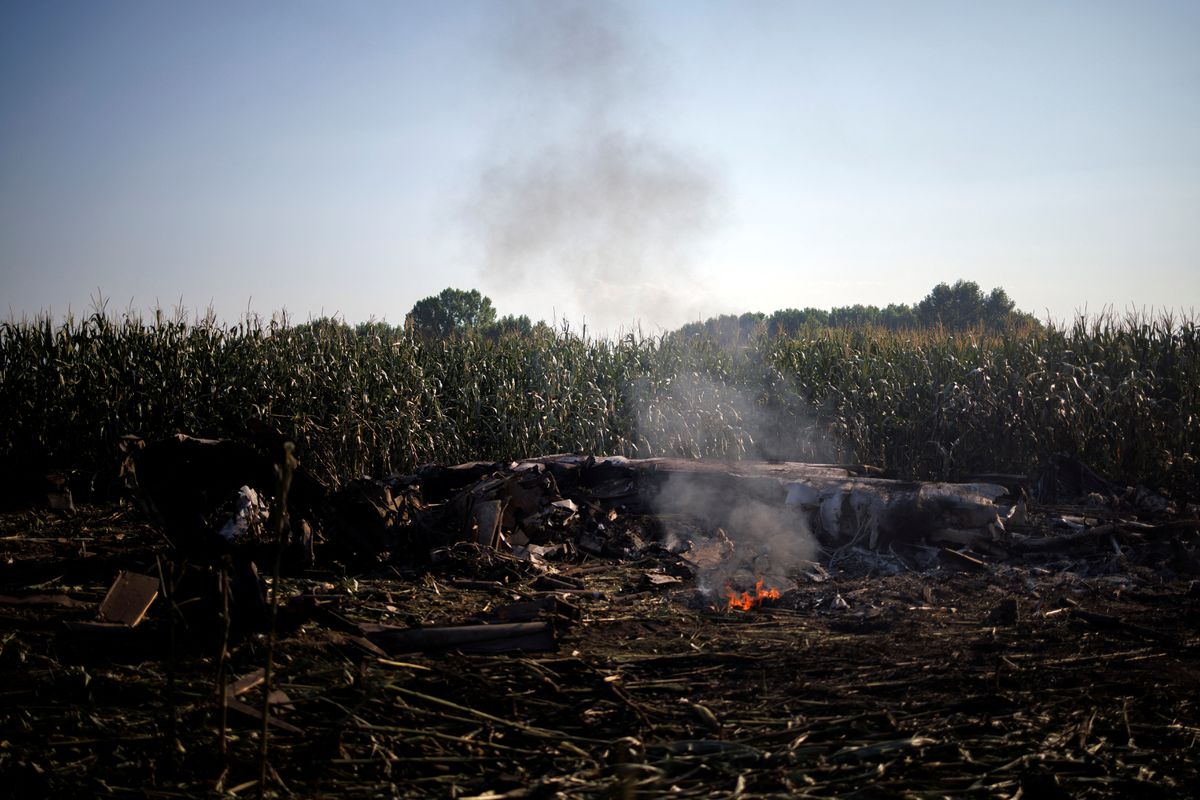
998 309
790 321
855 316
955 307
510 325
452 311
728 330
964 305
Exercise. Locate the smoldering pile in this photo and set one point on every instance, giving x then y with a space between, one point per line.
739 530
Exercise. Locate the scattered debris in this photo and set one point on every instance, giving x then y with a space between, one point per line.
581 627
250 518
279 702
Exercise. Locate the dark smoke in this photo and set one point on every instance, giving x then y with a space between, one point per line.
582 196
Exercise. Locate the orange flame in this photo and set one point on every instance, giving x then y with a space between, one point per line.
746 601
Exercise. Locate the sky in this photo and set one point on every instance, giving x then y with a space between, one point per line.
614 165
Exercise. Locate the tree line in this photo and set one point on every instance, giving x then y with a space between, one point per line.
953 307
960 306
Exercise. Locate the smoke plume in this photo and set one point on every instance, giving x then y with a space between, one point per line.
732 537
581 196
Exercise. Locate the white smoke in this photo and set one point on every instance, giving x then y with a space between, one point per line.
734 540
692 416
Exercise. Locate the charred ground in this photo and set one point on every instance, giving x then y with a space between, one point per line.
1062 664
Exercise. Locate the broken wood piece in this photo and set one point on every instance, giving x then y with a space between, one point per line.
279 698
234 704
469 583
366 645
552 582
526 610
353 646
963 560
129 598
43 600
497 638
591 594
245 683
1085 535
94 627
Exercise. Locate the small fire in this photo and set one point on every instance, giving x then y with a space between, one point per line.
746 601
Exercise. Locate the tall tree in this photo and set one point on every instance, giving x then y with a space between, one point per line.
998 309
452 311
955 307
964 305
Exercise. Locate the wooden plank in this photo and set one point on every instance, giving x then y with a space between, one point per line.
129 598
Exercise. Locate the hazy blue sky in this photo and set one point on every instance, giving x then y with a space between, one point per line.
658 161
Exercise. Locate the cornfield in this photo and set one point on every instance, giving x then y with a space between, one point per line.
1122 394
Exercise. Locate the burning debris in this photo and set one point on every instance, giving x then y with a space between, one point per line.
746 601
729 523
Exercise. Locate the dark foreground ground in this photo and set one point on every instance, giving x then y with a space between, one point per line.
1065 674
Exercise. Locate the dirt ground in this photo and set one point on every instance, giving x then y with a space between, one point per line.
1055 674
